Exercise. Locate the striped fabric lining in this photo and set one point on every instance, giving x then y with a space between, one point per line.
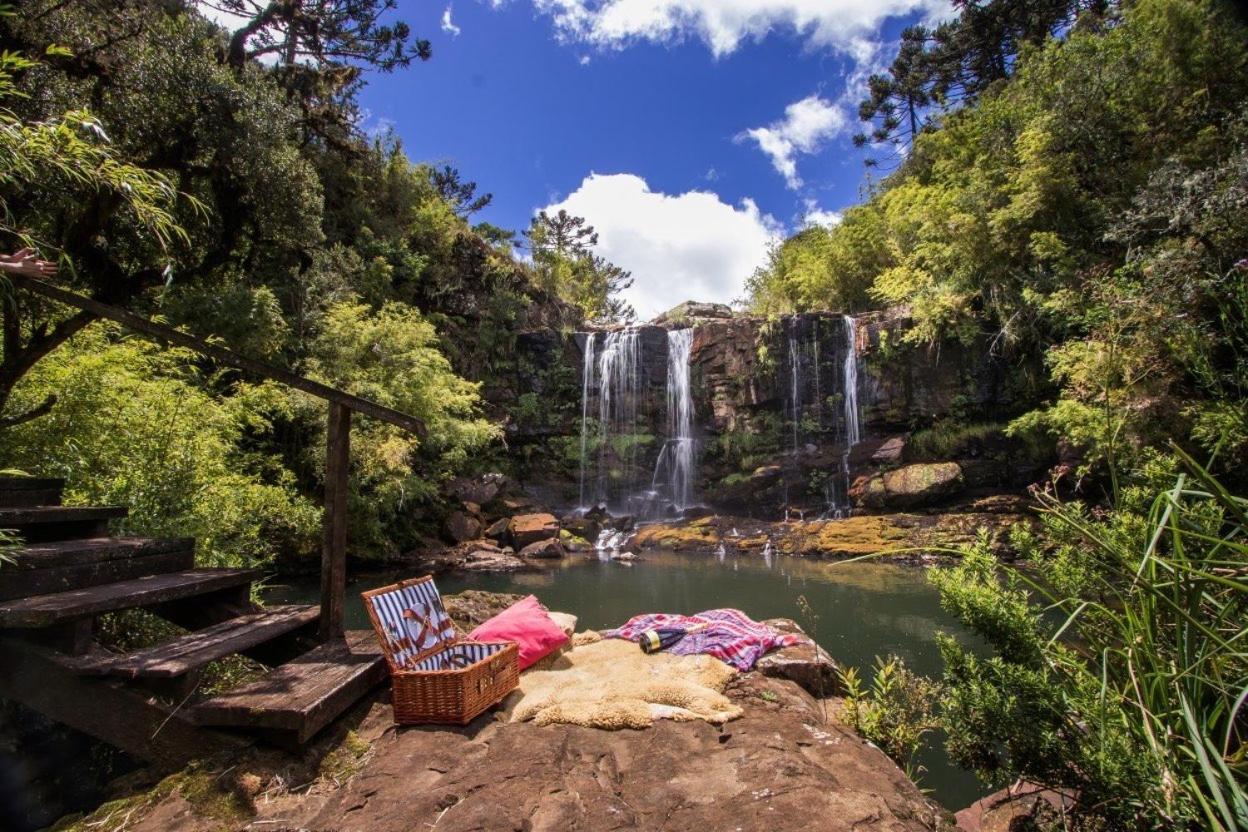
408 634
457 656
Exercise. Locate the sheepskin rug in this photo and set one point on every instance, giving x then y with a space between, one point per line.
611 684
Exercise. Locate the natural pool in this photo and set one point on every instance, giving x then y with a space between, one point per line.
865 609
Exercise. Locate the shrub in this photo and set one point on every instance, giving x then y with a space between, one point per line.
1120 674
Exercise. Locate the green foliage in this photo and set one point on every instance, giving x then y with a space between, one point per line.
1087 207
821 268
391 356
895 712
1118 674
563 252
948 438
135 425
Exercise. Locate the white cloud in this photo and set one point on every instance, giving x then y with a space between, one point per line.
222 17
448 25
723 24
806 125
815 215
690 246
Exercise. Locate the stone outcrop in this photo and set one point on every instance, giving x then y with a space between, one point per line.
836 539
461 526
782 767
530 528
809 666
1022 806
741 374
473 607
549 549
910 486
693 311
474 556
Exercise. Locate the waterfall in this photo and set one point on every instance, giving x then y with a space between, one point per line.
619 389
611 373
587 382
839 505
849 384
674 469
795 381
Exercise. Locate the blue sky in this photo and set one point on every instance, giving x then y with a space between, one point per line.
688 132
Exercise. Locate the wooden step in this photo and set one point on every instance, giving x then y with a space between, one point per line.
123 715
196 649
299 698
59 566
30 491
38 524
47 610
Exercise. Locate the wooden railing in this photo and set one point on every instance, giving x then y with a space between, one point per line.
338 438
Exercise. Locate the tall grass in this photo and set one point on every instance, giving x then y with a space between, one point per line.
1155 624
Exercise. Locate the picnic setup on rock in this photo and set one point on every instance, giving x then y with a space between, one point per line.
578 678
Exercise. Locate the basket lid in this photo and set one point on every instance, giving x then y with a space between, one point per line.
411 619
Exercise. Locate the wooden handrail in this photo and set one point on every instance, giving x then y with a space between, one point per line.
225 356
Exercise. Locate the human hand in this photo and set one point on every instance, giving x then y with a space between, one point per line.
25 262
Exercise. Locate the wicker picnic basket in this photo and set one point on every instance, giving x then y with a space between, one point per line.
436 677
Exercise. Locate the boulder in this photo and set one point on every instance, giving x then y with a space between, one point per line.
472 607
480 490
461 526
550 549
910 486
498 530
1021 806
890 451
530 528
574 543
810 667
584 527
486 560
691 309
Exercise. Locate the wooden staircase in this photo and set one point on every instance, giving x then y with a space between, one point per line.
70 571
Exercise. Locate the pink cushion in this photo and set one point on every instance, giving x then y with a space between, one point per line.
527 623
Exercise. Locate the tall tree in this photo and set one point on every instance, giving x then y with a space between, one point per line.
960 59
459 194
319 48
562 234
563 252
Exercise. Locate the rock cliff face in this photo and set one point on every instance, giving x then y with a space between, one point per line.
770 409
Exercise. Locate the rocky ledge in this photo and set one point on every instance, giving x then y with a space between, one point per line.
914 536
782 766
786 764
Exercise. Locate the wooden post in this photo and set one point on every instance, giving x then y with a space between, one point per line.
334 550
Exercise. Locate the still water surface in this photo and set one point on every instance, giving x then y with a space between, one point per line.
865 609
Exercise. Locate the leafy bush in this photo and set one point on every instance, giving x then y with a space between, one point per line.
135 425
895 712
1120 674
392 356
948 438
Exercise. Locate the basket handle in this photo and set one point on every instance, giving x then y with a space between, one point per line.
426 626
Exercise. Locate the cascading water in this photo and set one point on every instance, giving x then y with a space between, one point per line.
795 382
612 373
810 420
673 472
613 393
587 381
840 507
